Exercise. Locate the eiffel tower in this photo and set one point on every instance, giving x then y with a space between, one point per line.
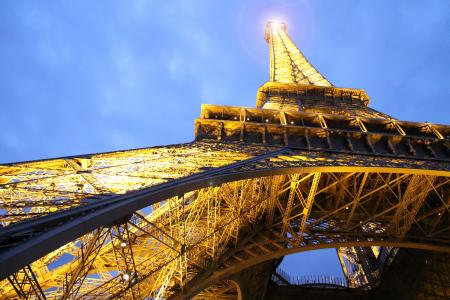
312 166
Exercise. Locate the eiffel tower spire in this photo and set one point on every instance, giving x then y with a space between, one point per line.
295 85
287 62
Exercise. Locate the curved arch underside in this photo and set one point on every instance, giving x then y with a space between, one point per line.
223 290
177 237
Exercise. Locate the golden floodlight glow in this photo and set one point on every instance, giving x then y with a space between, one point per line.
277 25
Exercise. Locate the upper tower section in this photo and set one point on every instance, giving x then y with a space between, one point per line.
295 85
287 62
301 109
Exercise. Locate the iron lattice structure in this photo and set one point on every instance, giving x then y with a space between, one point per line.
311 167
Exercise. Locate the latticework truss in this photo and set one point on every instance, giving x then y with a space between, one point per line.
287 62
257 184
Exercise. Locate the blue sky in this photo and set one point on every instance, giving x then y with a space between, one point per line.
91 76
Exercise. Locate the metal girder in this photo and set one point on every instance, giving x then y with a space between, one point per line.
410 203
302 231
89 251
259 166
256 251
323 131
26 285
308 202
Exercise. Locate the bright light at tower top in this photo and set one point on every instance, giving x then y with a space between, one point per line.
273 27
276 25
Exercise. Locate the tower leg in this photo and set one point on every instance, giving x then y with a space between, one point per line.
253 281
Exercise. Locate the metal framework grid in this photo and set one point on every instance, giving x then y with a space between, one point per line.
311 167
